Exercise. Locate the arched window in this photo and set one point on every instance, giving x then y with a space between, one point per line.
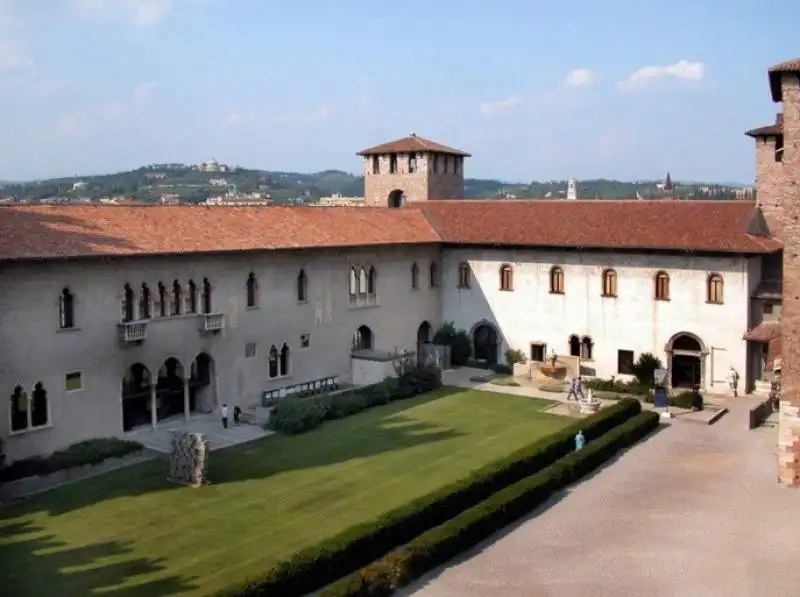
252 290
20 412
273 362
362 281
662 286
587 347
353 282
556 280
40 412
284 360
206 298
463 275
191 297
716 289
66 310
609 283
574 346
161 300
144 302
414 276
372 281
506 277
128 307
434 275
302 286
177 294
363 338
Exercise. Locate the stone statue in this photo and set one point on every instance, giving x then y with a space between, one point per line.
189 459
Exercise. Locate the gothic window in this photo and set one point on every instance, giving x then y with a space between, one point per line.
274 357
414 276
252 290
587 347
506 277
716 289
128 307
66 310
609 283
20 416
372 281
353 282
284 360
162 300
556 280
177 294
434 275
191 297
144 302
206 297
662 286
302 287
362 281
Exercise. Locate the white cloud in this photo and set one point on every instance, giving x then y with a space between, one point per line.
235 118
491 108
581 77
143 93
138 12
683 70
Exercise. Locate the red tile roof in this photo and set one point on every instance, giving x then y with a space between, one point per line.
768 332
411 144
776 74
43 232
611 224
769 130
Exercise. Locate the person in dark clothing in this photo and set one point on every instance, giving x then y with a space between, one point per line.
697 399
237 412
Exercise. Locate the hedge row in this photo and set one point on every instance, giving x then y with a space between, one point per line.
439 545
93 451
318 566
682 400
295 415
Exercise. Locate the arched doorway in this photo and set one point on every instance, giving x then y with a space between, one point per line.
485 343
363 339
686 361
169 389
202 384
423 338
136 397
397 198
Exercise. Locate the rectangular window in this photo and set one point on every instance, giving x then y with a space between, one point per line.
305 340
376 164
393 163
73 382
625 362
768 308
538 352
436 163
250 350
412 162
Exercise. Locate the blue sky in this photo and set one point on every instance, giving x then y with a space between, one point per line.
533 89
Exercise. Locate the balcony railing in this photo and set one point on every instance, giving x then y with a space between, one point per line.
132 332
369 299
211 322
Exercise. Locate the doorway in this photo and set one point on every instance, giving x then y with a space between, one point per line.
485 344
423 338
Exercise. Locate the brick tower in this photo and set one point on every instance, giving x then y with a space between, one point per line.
778 191
669 188
412 169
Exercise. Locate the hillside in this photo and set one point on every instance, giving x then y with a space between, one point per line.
151 183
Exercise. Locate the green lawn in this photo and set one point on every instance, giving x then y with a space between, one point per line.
132 534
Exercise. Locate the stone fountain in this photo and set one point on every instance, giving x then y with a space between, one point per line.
188 461
590 405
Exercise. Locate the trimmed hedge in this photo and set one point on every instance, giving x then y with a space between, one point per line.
298 415
318 566
92 451
439 545
682 400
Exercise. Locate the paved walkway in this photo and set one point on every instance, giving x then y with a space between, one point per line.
694 511
160 438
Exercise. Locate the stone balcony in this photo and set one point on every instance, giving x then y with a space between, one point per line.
132 332
358 301
210 323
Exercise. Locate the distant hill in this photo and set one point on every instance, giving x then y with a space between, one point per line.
150 183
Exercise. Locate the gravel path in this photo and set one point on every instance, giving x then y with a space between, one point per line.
694 511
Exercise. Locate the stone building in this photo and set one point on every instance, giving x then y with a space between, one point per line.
778 192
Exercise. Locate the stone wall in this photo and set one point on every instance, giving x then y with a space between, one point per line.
421 185
189 459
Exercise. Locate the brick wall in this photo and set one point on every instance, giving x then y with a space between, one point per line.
421 185
784 188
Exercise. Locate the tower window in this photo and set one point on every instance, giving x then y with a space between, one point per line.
393 163
779 148
376 164
436 163
412 162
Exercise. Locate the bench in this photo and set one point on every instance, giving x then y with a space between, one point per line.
300 390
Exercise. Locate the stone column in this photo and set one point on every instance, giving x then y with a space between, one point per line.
153 401
186 396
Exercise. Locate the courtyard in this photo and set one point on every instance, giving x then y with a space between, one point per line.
130 533
693 511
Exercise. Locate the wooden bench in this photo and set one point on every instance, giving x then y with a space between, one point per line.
300 390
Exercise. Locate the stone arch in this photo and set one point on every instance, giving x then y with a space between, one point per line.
574 342
424 336
170 389
396 198
486 341
136 396
687 357
202 395
364 338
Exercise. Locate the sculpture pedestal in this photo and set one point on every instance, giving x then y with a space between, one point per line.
188 461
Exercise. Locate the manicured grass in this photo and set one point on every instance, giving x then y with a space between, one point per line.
133 534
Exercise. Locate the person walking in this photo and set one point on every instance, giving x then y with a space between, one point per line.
223 411
573 389
733 381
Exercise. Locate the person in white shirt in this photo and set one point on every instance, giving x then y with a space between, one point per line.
733 381
223 410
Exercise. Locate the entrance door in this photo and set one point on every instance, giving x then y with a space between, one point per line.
423 338
685 371
485 344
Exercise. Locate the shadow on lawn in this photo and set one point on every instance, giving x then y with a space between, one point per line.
33 563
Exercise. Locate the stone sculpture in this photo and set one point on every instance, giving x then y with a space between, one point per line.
189 459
